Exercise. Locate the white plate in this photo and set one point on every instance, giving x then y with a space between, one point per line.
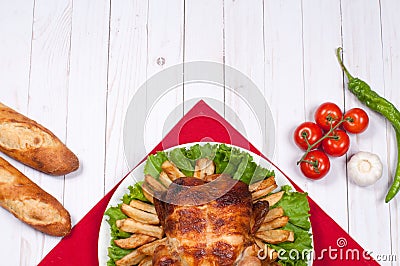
137 175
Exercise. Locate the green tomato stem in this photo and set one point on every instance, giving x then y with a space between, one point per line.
327 135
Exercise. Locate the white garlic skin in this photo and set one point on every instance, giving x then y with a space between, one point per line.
364 168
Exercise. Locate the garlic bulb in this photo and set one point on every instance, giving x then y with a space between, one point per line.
364 168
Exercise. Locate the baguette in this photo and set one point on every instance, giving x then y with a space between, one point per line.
31 204
34 145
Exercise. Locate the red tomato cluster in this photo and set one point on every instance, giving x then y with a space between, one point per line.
325 137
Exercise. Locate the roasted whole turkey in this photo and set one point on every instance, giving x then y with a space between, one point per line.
208 223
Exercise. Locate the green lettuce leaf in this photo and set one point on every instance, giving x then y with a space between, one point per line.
114 213
154 162
296 207
186 165
135 192
239 164
302 239
114 252
185 158
201 151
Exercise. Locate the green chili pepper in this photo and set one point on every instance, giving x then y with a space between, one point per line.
394 189
379 104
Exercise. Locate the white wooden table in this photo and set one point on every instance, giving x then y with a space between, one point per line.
74 65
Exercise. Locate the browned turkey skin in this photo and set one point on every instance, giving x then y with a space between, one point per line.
208 223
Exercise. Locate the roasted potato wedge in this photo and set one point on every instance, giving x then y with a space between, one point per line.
154 184
131 226
203 168
143 206
274 224
132 258
164 179
273 198
136 240
263 192
139 215
148 192
148 249
276 236
147 261
262 184
273 214
172 171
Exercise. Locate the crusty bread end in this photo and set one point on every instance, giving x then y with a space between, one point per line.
31 204
34 145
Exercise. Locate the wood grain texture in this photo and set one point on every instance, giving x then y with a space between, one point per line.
244 51
284 84
165 50
323 83
204 41
364 59
391 65
87 90
126 72
15 54
48 96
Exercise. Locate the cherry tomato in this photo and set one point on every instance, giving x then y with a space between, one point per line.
337 143
356 122
309 130
326 114
315 165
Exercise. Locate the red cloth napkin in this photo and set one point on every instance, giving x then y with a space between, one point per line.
332 245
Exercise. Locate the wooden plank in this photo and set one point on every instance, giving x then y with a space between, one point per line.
324 83
364 59
391 66
165 49
48 97
284 84
246 54
126 73
87 105
204 31
15 52
15 48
